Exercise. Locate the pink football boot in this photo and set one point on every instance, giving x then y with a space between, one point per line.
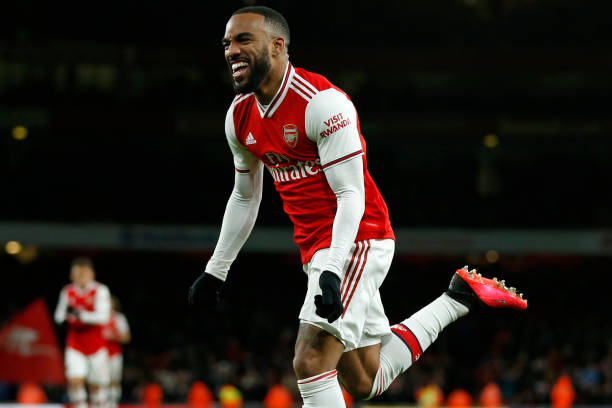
471 289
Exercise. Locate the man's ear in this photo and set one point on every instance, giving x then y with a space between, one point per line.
278 46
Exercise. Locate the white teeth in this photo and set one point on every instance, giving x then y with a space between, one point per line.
237 65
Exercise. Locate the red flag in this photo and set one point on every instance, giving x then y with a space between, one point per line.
29 349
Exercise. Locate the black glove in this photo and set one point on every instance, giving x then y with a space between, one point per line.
73 312
205 290
329 304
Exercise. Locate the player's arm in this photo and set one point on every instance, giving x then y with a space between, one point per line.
102 308
331 122
61 310
123 330
238 220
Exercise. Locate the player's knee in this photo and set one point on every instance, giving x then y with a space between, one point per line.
305 365
359 387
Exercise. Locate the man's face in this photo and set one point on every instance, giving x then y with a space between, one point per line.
81 275
246 45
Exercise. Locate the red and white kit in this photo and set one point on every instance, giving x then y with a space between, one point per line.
117 325
309 140
86 352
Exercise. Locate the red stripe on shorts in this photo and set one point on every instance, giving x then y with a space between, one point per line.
350 273
365 259
348 270
408 337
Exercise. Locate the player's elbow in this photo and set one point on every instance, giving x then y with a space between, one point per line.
353 199
242 194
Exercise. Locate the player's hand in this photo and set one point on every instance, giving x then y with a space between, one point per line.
73 314
328 303
205 290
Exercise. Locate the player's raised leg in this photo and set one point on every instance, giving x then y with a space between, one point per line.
413 336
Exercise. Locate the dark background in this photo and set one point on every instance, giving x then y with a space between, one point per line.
124 106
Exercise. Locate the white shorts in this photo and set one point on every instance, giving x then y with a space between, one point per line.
116 368
93 368
363 322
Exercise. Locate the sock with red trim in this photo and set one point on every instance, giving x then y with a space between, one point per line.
410 338
322 390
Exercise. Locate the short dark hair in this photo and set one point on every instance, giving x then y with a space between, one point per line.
82 261
271 17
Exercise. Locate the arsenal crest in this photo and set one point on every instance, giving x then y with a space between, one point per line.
290 135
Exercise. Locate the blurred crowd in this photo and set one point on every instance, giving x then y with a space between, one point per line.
248 341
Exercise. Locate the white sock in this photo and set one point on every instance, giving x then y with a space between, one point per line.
412 337
99 398
114 395
322 391
77 397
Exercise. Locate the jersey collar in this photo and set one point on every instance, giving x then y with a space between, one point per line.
268 111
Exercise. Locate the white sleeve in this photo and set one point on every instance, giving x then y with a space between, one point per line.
242 206
331 122
61 308
102 308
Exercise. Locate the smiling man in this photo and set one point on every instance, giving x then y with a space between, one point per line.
305 132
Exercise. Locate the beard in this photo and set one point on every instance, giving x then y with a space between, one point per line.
259 69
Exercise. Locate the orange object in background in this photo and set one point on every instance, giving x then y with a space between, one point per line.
430 396
459 398
562 394
152 395
278 396
31 393
491 396
230 397
200 396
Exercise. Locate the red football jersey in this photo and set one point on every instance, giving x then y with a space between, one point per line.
302 132
85 334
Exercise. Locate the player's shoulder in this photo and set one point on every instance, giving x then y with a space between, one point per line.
311 80
68 288
318 86
98 286
240 100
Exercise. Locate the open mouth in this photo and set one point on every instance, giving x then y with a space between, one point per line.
239 69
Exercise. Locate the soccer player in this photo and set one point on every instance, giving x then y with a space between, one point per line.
117 333
85 306
305 132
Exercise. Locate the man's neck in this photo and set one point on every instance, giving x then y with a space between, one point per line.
269 87
83 286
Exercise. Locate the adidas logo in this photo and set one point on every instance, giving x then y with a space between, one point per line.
250 139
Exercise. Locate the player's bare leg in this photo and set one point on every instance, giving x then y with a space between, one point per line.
317 353
357 370
77 393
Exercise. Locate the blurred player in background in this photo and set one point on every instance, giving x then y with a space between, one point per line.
117 333
305 131
85 305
